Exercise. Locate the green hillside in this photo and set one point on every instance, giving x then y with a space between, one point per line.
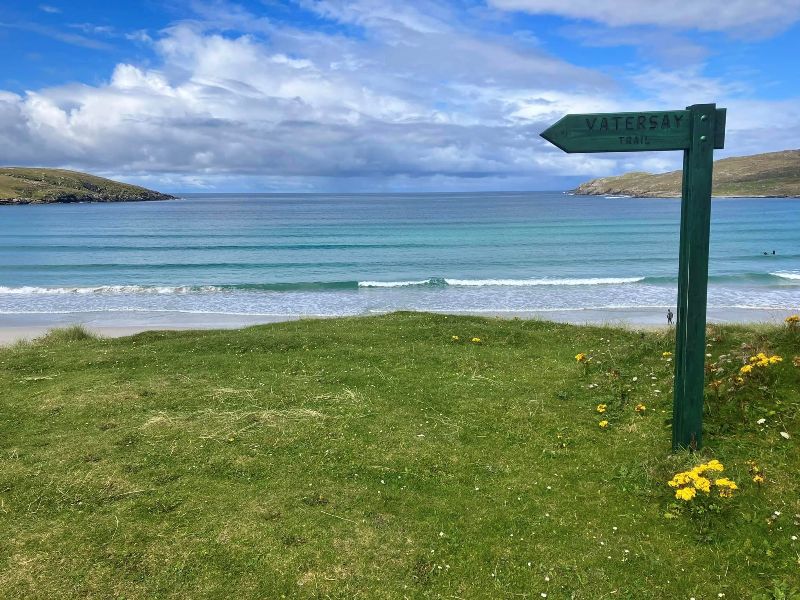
774 174
44 186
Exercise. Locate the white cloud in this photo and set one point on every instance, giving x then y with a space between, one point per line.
764 16
413 103
49 9
434 18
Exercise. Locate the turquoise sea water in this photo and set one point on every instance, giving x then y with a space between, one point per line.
285 255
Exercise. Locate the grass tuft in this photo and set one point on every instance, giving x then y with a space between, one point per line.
65 335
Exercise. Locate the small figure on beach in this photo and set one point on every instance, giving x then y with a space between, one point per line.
669 316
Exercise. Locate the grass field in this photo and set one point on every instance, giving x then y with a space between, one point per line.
380 458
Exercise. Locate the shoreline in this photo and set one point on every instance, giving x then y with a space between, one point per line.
28 326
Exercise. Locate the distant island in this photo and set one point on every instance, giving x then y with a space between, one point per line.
49 186
772 175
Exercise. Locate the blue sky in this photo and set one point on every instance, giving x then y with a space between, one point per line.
373 95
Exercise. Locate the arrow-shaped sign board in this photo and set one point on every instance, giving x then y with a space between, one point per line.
626 131
697 131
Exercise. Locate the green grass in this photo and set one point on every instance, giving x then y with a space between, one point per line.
377 458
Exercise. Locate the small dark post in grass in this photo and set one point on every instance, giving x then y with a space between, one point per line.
697 131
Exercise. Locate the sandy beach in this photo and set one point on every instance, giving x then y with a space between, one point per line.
14 328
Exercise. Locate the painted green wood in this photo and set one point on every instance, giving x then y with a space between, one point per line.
719 128
681 307
626 131
621 132
690 342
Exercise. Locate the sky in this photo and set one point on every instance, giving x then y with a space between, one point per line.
378 95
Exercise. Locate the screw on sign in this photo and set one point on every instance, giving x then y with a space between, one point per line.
697 131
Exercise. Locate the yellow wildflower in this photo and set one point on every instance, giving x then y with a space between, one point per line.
759 479
603 424
694 474
724 482
580 357
796 361
680 479
714 465
725 492
455 338
703 484
739 380
476 340
792 320
666 354
775 359
640 408
686 493
746 369
601 408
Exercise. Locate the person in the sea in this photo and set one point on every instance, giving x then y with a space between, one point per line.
669 316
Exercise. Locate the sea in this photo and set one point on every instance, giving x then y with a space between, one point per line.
273 256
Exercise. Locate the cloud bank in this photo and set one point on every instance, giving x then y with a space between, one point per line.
418 98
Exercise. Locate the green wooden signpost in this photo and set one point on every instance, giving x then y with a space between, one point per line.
697 131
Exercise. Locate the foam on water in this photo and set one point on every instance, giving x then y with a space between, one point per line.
790 276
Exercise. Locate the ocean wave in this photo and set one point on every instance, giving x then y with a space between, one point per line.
776 279
28 290
178 289
787 275
534 282
434 281
441 281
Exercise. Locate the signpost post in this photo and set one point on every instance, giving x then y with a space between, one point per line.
697 131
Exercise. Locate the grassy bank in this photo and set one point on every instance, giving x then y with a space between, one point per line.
380 458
